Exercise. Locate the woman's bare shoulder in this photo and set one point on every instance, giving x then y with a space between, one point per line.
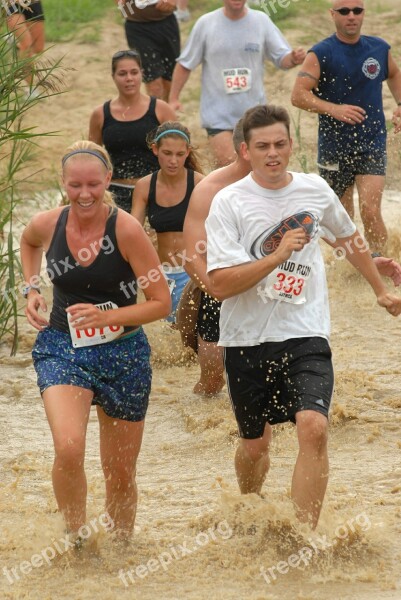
41 227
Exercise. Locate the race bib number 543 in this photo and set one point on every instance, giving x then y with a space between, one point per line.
237 80
95 335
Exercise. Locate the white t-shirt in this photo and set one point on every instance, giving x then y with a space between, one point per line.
232 54
245 223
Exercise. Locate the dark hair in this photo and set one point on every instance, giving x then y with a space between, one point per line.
262 116
238 134
134 54
178 131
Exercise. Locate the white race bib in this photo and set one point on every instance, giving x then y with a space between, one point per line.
288 282
237 80
94 335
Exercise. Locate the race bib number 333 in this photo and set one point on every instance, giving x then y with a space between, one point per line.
237 80
288 282
95 335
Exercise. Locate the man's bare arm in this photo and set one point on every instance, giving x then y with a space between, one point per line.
303 96
195 235
180 77
394 84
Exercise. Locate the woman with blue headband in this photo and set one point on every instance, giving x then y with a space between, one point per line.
93 349
164 196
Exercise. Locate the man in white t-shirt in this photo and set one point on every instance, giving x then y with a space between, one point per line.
231 44
265 263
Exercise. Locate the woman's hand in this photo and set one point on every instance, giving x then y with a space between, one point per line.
83 316
34 303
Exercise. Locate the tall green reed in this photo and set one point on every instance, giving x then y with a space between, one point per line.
17 148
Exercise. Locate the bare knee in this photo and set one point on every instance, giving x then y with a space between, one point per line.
70 453
222 148
254 450
156 88
312 431
370 213
121 477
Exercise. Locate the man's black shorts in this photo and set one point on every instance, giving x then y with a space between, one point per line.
342 175
209 318
271 382
158 43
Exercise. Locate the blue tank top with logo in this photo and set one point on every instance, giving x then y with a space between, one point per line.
352 74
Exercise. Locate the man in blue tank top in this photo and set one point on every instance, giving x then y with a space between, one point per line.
341 80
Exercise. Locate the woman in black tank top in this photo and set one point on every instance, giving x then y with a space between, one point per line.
164 196
93 350
121 125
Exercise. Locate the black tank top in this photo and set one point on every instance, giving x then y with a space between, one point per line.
109 278
168 218
125 141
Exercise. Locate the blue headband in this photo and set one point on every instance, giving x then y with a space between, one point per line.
93 152
184 135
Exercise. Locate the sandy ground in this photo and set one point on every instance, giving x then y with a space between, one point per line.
196 537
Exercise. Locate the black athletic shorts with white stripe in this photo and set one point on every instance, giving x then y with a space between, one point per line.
271 382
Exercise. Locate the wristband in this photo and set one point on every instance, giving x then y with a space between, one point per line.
28 288
376 255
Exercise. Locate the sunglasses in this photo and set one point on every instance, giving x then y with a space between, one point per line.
122 53
345 11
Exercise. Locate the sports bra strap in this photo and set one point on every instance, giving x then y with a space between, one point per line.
191 182
106 109
152 188
152 105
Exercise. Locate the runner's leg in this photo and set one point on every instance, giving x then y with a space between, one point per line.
311 471
67 409
120 443
252 462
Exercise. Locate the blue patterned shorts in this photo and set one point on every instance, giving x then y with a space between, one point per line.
179 281
118 373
